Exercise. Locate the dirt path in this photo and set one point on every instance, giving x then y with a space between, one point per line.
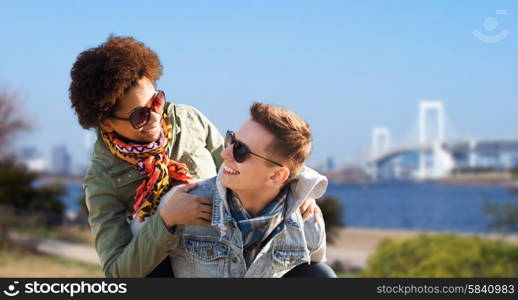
59 248
69 250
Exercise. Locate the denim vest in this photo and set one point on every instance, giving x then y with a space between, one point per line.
217 250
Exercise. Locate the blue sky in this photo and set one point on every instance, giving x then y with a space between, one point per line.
344 66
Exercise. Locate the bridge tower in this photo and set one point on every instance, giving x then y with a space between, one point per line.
381 143
472 153
442 161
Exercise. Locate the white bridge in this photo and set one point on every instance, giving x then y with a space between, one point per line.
433 157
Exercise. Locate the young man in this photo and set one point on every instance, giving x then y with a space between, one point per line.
257 229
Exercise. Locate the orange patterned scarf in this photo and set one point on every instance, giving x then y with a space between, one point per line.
151 159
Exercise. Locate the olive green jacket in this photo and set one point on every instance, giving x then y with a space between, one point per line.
110 185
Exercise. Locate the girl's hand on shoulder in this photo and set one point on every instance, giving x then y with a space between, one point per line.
181 208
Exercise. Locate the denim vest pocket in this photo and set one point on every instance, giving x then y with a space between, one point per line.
209 258
206 250
289 258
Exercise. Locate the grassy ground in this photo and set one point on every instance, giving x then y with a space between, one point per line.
348 275
19 263
68 234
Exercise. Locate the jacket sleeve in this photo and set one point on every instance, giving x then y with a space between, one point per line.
316 237
215 144
121 254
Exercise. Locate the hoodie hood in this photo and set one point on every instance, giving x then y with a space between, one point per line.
309 185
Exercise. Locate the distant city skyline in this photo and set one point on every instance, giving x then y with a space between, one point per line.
60 162
345 67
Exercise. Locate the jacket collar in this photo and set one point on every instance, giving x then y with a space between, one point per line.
174 120
220 210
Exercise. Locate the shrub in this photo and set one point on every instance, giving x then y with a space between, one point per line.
504 215
19 190
332 211
445 255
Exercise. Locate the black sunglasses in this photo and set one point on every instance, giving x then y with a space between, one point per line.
140 115
241 151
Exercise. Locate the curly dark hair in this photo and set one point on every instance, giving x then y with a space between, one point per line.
102 75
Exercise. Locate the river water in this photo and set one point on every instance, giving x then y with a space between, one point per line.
399 205
417 206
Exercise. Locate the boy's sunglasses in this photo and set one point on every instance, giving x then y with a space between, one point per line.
140 115
241 151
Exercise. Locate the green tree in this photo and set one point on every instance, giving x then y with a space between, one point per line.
12 121
20 191
332 210
504 215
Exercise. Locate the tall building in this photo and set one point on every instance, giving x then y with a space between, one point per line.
61 161
28 152
330 164
32 159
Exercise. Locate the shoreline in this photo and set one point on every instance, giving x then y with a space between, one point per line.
481 182
510 184
498 179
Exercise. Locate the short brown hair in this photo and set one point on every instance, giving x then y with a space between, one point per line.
102 75
292 134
